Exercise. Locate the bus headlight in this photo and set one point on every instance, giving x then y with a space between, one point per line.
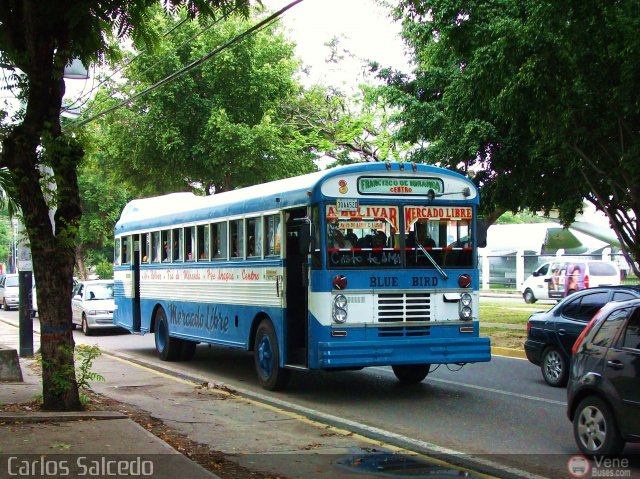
340 308
464 307
465 299
340 301
340 315
466 314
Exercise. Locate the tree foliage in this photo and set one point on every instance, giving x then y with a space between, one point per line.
220 126
537 100
37 40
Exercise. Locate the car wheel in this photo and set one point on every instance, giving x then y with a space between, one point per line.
168 348
528 296
595 429
5 306
266 356
554 368
411 373
85 327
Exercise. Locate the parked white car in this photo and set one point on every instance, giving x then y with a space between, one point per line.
557 279
9 291
92 305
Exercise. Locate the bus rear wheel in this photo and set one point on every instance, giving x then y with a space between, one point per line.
168 348
267 358
411 373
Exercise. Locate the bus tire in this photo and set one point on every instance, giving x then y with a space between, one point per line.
266 356
411 373
188 350
168 348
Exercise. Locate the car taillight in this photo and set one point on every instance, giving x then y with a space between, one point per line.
586 281
528 328
584 332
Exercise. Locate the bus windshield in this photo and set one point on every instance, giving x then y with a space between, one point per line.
442 242
368 236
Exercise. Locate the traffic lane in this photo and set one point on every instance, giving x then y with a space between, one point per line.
513 375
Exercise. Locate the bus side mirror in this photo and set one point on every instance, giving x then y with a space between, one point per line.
481 234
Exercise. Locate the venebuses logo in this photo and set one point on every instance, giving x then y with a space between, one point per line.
578 466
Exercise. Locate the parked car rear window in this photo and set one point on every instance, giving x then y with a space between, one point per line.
602 269
583 308
623 296
609 328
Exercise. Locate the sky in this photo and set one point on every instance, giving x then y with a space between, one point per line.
363 27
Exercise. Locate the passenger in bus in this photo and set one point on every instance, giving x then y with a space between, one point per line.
351 237
339 241
165 252
379 240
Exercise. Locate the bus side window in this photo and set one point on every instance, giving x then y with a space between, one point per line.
176 248
144 248
219 240
189 243
126 240
254 237
166 246
272 235
156 247
116 251
237 239
203 242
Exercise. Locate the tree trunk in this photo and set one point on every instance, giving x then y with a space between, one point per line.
36 141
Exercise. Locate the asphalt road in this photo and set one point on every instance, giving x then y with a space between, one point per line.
501 412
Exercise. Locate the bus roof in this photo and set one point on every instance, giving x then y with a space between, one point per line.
180 208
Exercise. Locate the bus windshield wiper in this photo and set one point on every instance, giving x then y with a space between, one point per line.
433 261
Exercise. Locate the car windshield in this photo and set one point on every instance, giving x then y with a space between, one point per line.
12 281
99 291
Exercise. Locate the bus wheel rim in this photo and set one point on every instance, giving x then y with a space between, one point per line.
265 356
160 336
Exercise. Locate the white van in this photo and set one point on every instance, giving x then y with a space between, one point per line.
557 279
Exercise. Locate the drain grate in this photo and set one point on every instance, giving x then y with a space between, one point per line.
399 465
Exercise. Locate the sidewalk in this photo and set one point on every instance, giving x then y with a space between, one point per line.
260 440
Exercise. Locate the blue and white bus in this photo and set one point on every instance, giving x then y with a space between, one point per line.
363 265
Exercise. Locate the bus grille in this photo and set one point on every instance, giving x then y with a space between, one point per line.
403 307
399 332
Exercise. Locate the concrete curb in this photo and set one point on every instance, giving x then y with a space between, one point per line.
509 352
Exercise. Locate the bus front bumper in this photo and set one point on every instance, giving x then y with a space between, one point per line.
345 354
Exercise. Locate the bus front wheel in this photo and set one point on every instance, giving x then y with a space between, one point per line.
168 348
267 358
411 373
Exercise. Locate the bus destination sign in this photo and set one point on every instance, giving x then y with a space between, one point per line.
368 185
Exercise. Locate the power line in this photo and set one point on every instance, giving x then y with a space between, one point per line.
192 65
117 70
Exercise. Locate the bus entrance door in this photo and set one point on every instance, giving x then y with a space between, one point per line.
135 287
296 295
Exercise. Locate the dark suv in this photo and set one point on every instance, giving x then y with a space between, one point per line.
552 333
603 396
